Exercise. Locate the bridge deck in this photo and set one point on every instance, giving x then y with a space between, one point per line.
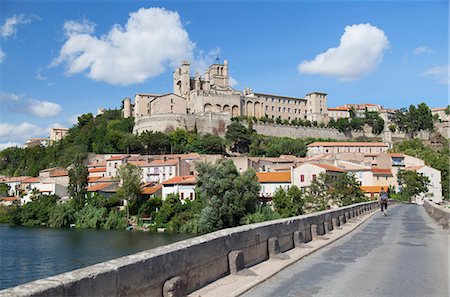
404 254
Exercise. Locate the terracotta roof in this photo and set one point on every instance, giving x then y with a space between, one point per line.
138 163
347 144
396 155
99 169
105 179
181 180
117 158
163 163
93 178
50 169
9 199
274 177
329 167
15 179
98 187
373 189
414 168
151 190
31 180
381 171
99 164
61 172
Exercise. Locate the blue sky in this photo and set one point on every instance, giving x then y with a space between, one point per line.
61 59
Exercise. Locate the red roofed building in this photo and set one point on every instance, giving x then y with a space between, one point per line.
184 186
271 181
305 173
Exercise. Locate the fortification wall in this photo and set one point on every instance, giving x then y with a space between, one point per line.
183 267
440 214
298 131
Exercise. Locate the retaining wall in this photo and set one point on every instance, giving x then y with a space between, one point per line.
183 267
440 214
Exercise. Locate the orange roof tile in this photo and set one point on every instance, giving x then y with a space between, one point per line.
105 179
329 167
31 180
15 179
99 169
163 162
181 180
274 177
117 158
414 168
338 108
347 144
396 155
151 190
58 173
373 189
98 187
99 164
381 171
93 178
10 199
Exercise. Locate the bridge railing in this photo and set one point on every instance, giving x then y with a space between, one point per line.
188 265
440 214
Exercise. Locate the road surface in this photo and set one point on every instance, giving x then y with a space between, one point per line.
403 254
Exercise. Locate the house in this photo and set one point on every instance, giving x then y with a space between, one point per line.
383 177
304 174
14 185
113 163
271 181
434 188
184 186
56 175
316 148
373 192
9 201
158 171
150 190
106 189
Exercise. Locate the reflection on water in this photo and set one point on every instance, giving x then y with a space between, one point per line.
28 254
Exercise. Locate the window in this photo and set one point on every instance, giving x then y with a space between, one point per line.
182 196
279 109
284 109
314 177
191 196
302 178
267 107
289 110
273 108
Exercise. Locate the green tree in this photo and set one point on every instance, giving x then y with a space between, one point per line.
130 178
346 190
4 189
155 142
227 195
412 184
78 181
414 119
239 136
169 208
392 128
288 203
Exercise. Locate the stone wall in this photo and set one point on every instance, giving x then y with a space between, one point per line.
188 265
440 214
298 131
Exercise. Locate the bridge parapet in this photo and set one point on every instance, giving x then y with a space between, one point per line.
183 267
440 214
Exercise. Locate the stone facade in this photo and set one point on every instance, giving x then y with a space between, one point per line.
195 99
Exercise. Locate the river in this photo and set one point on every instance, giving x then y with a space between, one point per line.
27 254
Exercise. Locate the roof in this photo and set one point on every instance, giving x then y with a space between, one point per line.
93 178
163 162
150 190
98 187
338 108
373 189
274 177
381 171
99 169
15 179
105 179
10 199
62 172
99 164
278 96
329 167
396 155
31 180
117 158
414 168
181 180
347 144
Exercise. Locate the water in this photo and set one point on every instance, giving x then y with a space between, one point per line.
27 254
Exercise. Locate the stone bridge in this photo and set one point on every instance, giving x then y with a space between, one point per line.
377 259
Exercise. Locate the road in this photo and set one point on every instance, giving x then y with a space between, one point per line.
403 254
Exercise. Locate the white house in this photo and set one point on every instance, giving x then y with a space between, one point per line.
304 174
434 188
183 185
271 181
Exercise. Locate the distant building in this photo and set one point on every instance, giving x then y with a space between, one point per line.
56 134
317 148
338 113
184 186
272 181
32 142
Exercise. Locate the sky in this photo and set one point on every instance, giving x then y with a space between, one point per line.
60 59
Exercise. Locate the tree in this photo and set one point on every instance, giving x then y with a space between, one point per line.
392 128
414 119
78 181
4 189
346 190
155 142
412 184
317 197
227 196
169 208
288 203
239 136
130 178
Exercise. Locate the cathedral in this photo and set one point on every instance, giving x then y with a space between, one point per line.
211 96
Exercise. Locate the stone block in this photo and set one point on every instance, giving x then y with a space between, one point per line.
174 287
236 261
274 249
341 220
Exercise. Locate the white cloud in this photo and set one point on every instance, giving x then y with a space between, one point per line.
233 82
423 50
44 109
2 55
73 119
11 133
9 28
151 40
18 103
440 73
9 144
204 59
39 76
359 52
